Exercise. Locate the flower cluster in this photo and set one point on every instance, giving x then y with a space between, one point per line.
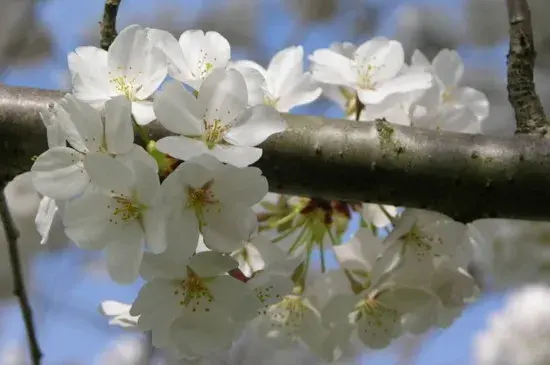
187 212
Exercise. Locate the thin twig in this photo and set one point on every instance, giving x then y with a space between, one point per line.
528 109
108 24
12 234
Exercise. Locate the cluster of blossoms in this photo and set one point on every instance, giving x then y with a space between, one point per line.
189 214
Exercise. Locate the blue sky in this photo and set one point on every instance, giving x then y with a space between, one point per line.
70 327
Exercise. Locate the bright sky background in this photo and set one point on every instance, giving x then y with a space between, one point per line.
70 328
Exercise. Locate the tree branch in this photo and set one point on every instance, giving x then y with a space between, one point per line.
108 24
464 176
12 234
522 95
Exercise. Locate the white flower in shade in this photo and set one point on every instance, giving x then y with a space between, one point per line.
218 122
195 306
452 288
60 172
195 56
131 67
121 214
284 84
418 237
119 313
518 333
374 70
290 320
203 195
446 105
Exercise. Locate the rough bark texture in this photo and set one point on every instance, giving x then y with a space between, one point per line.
464 176
108 24
522 95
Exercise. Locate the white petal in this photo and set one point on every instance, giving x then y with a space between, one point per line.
166 265
419 59
86 220
143 112
59 173
152 75
47 212
182 232
124 256
448 66
270 289
166 42
255 126
88 67
384 57
331 67
302 90
474 100
178 110
284 69
239 156
154 227
138 153
113 308
223 96
222 231
209 264
109 173
377 332
55 134
181 147
126 54
237 300
400 84
119 132
245 186
255 78
86 120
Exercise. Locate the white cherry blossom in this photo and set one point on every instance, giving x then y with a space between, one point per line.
378 215
195 306
203 195
60 172
373 71
446 105
121 214
195 56
131 67
418 237
284 84
218 122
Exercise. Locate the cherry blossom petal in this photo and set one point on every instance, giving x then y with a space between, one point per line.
143 112
246 186
331 67
224 96
181 147
124 255
255 126
474 100
302 90
88 67
59 173
237 300
178 110
119 133
448 67
284 69
85 126
126 54
109 173
239 156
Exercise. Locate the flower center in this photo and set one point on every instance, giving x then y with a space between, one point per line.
288 314
193 293
419 242
199 199
125 209
214 133
375 313
364 76
203 67
447 96
125 86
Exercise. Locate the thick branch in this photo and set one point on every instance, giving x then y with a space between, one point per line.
522 95
108 24
464 176
12 234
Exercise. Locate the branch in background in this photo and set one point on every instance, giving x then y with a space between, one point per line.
522 95
464 176
12 234
108 24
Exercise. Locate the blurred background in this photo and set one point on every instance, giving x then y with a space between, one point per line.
66 285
